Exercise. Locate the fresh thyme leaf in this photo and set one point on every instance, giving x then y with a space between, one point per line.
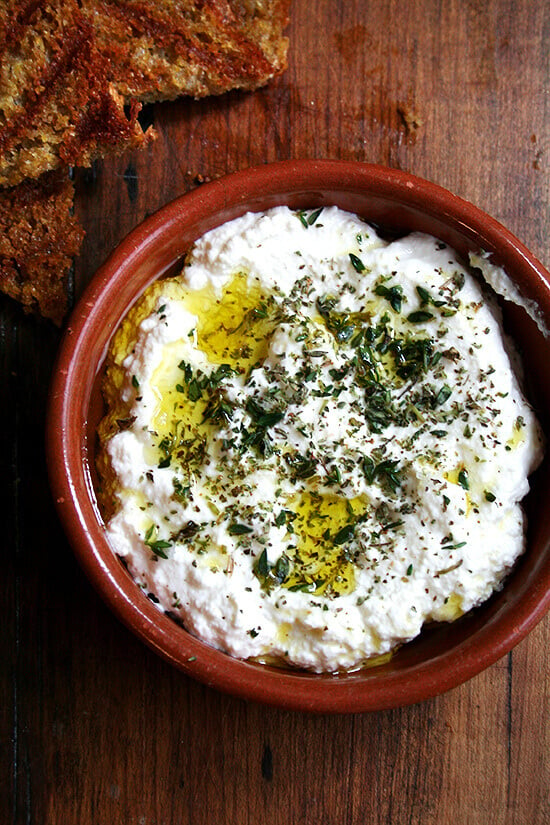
419 317
378 411
187 370
489 496
193 390
424 295
285 517
239 529
387 472
426 298
157 546
369 469
222 372
271 574
314 215
305 587
281 568
262 418
410 568
463 479
413 356
262 565
443 395
301 215
344 535
453 547
357 263
393 294
334 476
135 382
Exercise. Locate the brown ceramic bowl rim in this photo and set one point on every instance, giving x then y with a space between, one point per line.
79 361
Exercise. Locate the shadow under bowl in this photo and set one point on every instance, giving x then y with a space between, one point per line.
444 655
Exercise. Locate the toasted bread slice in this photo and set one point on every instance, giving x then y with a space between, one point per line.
161 49
66 69
57 105
38 239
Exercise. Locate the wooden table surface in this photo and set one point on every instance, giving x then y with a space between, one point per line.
95 729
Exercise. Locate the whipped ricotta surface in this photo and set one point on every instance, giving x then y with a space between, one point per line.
315 440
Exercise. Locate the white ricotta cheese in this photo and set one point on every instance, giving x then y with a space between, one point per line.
316 442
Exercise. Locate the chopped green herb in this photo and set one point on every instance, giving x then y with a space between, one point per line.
262 564
357 263
419 317
314 215
301 215
344 535
443 395
394 294
301 466
284 517
193 390
463 479
453 547
387 472
157 546
238 529
424 295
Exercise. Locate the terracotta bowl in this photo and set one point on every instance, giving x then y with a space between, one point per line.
444 655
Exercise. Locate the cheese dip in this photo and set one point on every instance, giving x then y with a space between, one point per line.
315 440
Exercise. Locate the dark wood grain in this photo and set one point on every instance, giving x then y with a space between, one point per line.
95 729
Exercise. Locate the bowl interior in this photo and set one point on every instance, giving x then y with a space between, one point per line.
443 655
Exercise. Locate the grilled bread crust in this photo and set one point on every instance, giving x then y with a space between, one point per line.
161 49
39 237
67 69
57 104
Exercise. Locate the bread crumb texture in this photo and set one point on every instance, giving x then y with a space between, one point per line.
39 236
58 106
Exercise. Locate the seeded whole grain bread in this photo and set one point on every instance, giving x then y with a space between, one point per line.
58 106
161 49
39 237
